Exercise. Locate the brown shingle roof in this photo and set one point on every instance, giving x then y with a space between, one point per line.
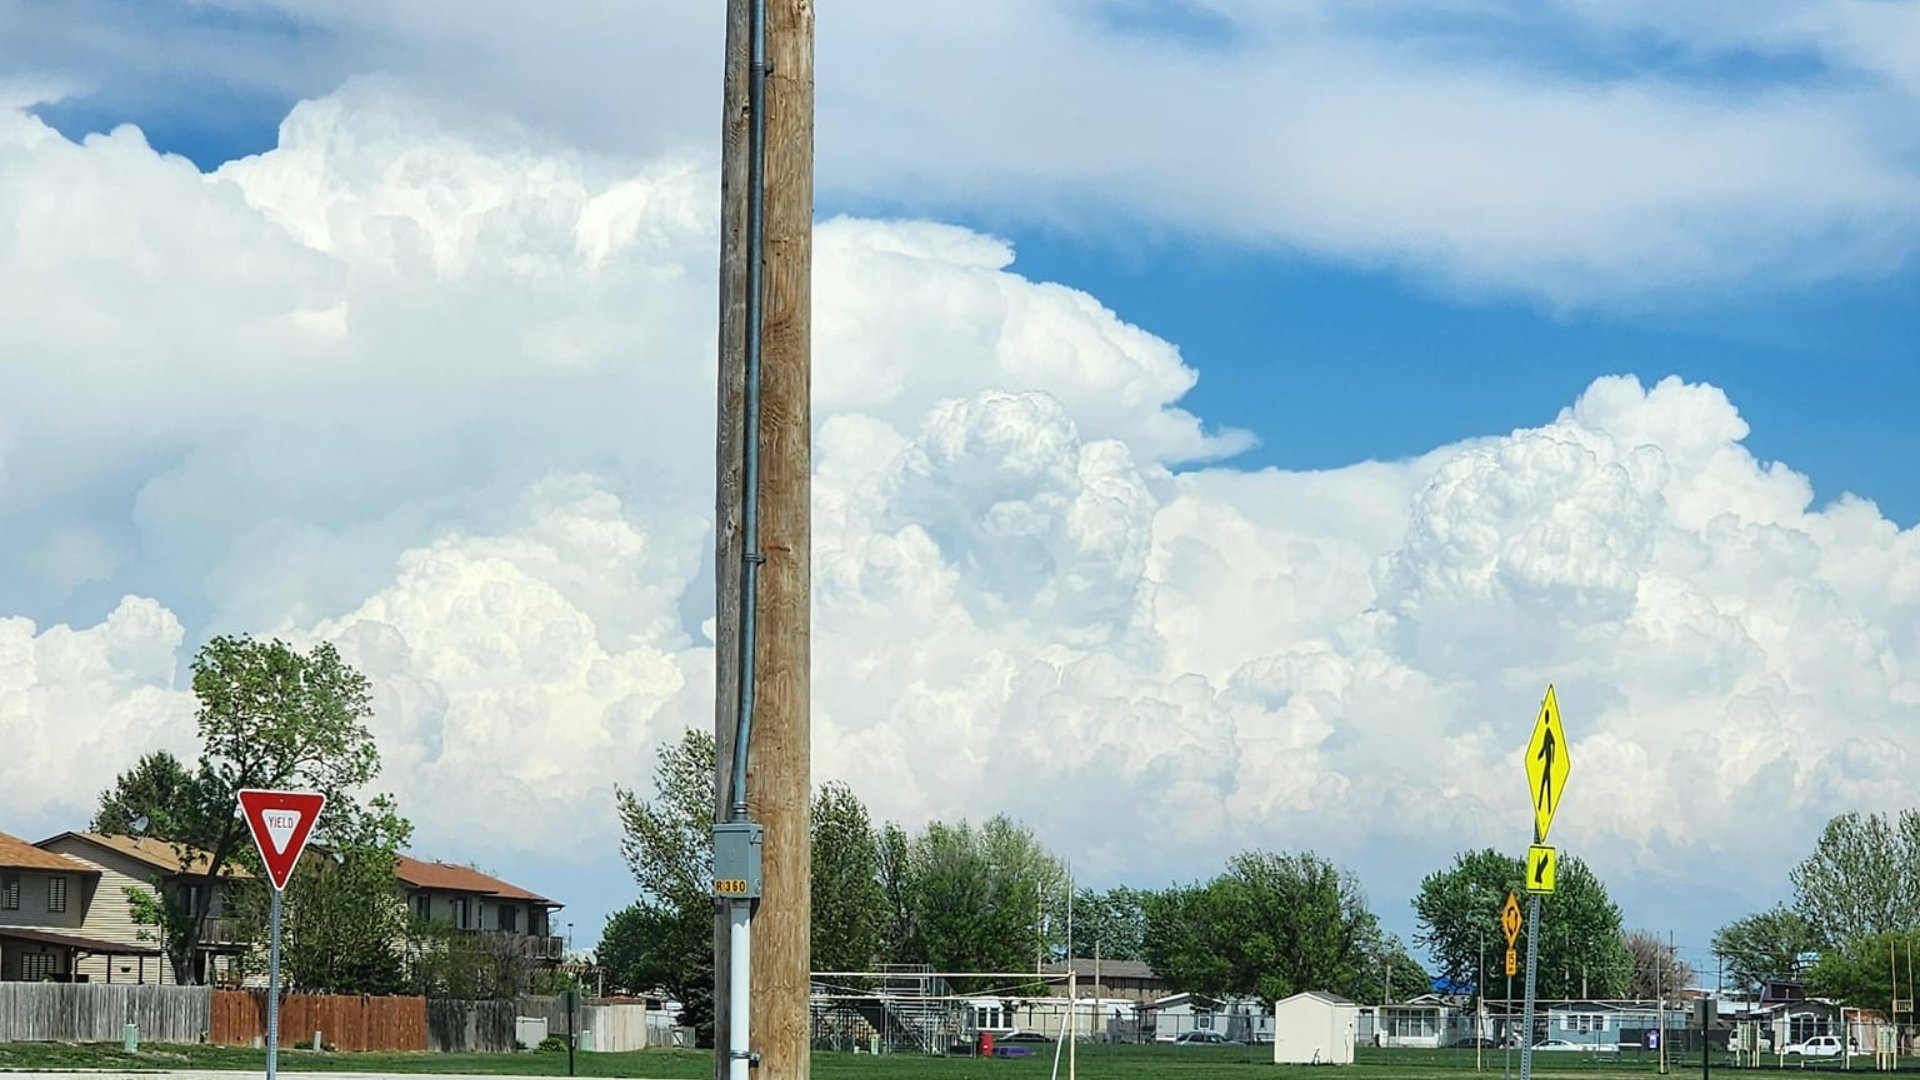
438 875
157 853
17 854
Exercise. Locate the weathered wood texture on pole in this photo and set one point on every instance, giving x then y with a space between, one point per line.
779 772
780 760
727 508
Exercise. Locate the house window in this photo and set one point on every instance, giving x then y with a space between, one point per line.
1584 1023
463 913
57 895
1411 1024
1203 1020
509 919
36 966
189 897
422 906
10 892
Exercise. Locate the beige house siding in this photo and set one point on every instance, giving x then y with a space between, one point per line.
35 888
483 913
110 916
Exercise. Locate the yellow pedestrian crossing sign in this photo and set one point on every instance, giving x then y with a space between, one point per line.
1547 765
1542 863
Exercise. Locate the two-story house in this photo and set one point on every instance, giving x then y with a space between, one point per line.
469 900
142 862
45 932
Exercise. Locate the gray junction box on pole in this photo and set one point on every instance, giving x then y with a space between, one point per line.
736 859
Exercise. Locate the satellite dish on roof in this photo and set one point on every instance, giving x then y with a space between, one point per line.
141 825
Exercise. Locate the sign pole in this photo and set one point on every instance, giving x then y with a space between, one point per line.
280 822
1533 967
273 992
1506 1065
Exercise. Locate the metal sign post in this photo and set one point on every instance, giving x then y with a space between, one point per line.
280 822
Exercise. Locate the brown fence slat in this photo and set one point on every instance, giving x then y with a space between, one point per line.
346 1022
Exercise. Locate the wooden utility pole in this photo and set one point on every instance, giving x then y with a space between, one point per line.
779 774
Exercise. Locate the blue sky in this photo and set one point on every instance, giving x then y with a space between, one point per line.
1376 233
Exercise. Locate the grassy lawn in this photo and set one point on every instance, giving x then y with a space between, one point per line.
1097 1062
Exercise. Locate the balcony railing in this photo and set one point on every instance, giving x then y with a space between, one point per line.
223 931
525 946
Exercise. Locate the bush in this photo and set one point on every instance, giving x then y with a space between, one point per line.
553 1042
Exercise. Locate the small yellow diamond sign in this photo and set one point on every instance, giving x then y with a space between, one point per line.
1510 919
1547 765
1542 863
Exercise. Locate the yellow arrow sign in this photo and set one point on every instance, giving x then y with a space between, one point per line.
1542 863
1510 919
1547 765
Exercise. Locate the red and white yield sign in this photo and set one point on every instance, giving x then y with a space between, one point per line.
281 822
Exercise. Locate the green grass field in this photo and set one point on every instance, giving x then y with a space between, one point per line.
1095 1061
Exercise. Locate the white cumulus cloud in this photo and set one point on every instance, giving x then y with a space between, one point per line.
443 393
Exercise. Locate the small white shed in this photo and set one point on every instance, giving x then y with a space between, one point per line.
1314 1028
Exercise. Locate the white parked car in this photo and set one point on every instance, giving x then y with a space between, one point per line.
1557 1044
1818 1046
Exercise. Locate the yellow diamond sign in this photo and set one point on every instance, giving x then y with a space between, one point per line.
1547 765
1510 919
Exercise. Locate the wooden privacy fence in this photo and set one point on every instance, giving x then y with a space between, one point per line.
470 1026
98 1012
616 1027
343 1021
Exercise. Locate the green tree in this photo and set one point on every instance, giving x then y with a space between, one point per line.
1458 910
270 716
849 906
148 799
442 962
344 923
645 947
1185 940
1388 972
1863 877
980 896
1114 921
665 940
1867 970
1581 937
1271 926
900 941
1582 953
1772 944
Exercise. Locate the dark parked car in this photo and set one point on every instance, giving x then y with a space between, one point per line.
1022 1037
1204 1038
1472 1042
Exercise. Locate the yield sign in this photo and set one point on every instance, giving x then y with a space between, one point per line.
1547 765
280 822
1510 921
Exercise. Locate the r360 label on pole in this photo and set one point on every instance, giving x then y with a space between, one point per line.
730 886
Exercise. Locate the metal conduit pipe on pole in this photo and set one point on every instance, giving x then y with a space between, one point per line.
737 840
